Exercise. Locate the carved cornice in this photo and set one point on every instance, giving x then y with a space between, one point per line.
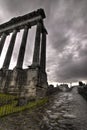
19 22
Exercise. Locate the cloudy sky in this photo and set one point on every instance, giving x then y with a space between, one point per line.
66 23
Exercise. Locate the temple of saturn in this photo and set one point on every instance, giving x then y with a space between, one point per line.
30 82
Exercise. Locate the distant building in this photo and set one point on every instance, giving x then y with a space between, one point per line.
63 87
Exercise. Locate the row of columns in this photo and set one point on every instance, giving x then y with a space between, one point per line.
39 55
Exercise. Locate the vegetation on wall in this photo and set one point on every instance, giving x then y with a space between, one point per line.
8 104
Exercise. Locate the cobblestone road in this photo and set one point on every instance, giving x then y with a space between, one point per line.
68 111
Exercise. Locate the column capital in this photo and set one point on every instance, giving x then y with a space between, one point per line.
39 25
16 30
26 26
44 29
6 33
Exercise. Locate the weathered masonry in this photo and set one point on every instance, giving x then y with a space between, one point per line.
31 82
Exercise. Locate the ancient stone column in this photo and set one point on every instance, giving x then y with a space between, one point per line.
43 52
22 48
3 38
36 54
10 50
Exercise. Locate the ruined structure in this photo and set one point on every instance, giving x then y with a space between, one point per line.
31 82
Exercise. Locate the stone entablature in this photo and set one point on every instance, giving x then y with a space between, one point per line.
29 19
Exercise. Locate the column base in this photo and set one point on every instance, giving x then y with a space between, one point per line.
30 83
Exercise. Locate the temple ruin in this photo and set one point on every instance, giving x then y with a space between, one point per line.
30 82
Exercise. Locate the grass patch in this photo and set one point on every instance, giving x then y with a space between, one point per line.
12 108
6 99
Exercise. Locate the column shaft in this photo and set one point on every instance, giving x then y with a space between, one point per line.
36 54
3 38
10 50
22 48
43 52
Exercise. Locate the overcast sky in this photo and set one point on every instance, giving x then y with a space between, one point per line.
66 22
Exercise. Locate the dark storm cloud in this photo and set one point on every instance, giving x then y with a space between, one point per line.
72 69
66 23
68 36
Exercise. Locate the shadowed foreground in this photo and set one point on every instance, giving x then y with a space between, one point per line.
64 111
